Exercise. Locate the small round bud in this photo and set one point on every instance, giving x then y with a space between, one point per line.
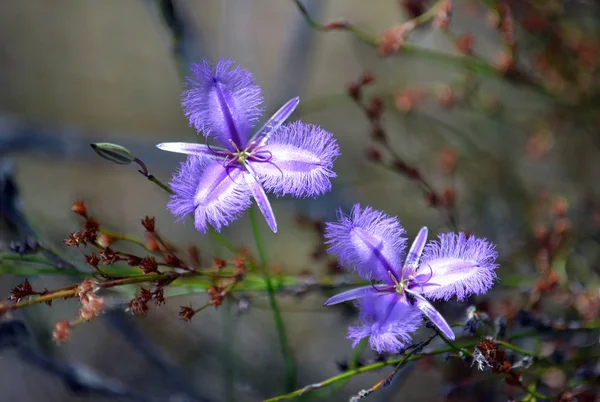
62 331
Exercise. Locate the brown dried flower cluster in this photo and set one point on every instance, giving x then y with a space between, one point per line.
92 305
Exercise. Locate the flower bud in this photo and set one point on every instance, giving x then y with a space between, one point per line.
113 152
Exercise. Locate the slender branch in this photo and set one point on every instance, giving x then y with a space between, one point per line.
351 373
290 365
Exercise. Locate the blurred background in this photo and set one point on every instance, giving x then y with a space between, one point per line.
504 147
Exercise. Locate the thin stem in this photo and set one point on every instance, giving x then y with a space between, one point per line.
160 184
290 366
221 240
123 237
351 373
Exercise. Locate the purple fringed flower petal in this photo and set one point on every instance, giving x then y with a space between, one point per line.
354 294
189 148
368 241
261 200
224 103
434 316
214 194
416 250
458 266
266 131
299 158
387 319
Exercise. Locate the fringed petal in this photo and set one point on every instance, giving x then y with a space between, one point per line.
223 102
388 320
298 160
433 315
369 242
261 200
458 266
214 194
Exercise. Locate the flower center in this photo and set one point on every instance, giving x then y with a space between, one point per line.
251 153
399 286
242 156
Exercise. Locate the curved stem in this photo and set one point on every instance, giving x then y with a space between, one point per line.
290 365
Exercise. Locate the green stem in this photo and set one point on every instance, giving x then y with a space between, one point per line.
290 366
351 373
160 184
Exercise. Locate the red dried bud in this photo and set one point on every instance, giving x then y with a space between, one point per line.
442 18
173 261
449 197
548 283
377 133
79 208
159 297
148 224
373 155
152 243
194 254
217 295
560 207
149 265
62 331
447 159
354 91
493 355
74 239
413 174
92 259
561 226
92 225
218 263
105 240
20 291
409 99
139 305
413 8
84 289
339 24
504 62
465 43
186 313
367 78
375 108
239 263
432 199
392 40
134 261
109 256
91 308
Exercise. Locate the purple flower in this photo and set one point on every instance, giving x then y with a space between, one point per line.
371 243
217 183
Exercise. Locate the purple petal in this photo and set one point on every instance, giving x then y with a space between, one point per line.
367 241
190 148
261 200
224 103
387 319
459 266
434 316
299 160
215 195
415 251
280 116
353 294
